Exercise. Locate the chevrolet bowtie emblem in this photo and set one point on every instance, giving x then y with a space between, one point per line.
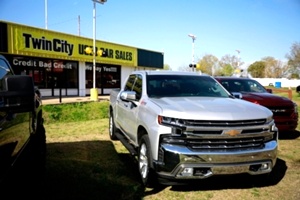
232 132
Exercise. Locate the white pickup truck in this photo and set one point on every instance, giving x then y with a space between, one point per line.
184 126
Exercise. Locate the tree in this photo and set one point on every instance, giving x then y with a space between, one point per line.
226 70
233 61
294 58
229 65
167 67
208 64
273 68
295 76
257 69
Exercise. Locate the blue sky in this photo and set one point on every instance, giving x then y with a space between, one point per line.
258 28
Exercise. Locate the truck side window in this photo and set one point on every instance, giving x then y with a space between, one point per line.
129 83
134 83
138 85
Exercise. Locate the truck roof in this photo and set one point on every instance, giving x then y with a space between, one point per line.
232 78
167 72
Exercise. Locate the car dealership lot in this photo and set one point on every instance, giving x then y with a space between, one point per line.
112 166
82 163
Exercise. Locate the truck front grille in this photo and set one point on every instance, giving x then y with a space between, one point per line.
225 144
216 136
205 123
219 132
282 110
218 144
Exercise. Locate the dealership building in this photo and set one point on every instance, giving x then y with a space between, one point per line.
62 64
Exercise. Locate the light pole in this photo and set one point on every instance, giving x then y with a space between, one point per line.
46 14
94 90
193 48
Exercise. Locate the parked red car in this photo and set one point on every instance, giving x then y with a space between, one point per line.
285 111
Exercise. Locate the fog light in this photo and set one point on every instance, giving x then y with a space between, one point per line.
187 172
264 166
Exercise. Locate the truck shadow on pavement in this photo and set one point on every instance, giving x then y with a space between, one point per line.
289 135
89 170
94 170
231 181
77 170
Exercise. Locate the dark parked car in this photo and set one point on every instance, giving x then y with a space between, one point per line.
298 89
285 111
22 133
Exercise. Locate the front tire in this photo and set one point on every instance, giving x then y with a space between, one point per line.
146 171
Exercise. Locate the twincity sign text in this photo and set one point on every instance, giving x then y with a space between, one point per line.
63 46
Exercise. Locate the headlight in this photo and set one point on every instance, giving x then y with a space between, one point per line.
170 121
166 120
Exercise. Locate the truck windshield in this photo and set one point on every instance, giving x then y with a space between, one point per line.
183 86
243 85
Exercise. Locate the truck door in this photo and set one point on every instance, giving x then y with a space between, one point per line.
127 110
14 127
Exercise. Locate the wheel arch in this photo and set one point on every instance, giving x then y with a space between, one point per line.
141 132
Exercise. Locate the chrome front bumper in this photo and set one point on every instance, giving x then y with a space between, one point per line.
179 162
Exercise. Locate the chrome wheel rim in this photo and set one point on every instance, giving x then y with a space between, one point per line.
143 161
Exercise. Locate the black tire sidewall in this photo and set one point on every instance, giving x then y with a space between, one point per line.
112 127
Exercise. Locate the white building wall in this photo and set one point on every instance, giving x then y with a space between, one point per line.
82 90
126 71
283 82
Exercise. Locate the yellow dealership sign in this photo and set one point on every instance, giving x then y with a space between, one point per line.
24 40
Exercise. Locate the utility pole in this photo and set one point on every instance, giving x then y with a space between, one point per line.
79 25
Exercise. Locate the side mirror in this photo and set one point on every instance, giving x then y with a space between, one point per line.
128 95
17 93
237 95
269 90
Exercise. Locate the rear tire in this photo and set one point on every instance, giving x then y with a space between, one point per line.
112 127
148 176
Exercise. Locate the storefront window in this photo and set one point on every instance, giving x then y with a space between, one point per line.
107 76
65 74
47 73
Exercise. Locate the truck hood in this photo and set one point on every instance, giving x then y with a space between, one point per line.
267 99
208 108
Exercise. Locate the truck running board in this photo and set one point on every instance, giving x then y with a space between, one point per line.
125 142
